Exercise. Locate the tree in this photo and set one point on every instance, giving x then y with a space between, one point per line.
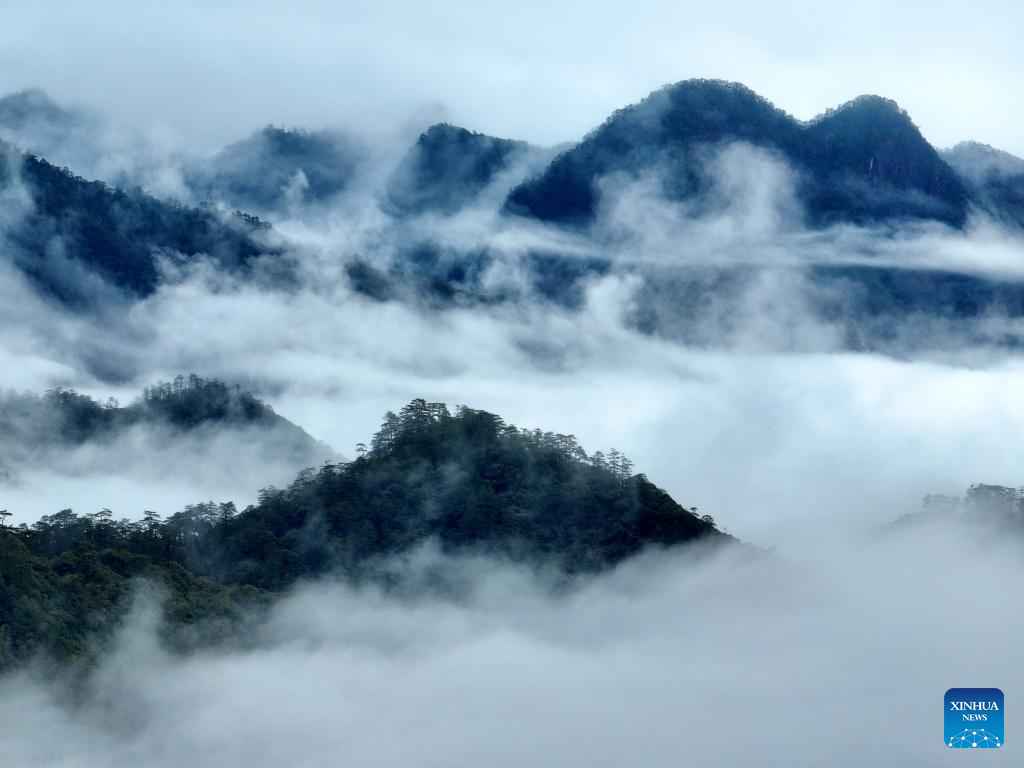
4 514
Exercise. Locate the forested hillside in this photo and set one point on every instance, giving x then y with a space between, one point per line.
467 481
71 236
36 428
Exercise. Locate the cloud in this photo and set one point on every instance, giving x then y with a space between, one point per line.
700 348
722 659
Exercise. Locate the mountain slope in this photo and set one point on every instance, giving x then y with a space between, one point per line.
275 168
995 178
38 431
71 236
866 161
35 123
467 481
448 167
863 162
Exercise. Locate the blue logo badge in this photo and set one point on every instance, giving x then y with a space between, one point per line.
974 718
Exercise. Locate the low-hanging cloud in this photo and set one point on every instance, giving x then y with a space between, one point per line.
723 658
747 383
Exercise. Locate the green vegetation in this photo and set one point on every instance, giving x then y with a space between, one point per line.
75 231
466 480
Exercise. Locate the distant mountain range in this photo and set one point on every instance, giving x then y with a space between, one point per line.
864 164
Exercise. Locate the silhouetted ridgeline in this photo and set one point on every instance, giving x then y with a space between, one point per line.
465 480
995 178
862 162
71 236
64 418
448 167
276 168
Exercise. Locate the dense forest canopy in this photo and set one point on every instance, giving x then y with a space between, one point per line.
466 480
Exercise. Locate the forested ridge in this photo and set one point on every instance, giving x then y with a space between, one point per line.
38 429
186 402
466 480
863 162
73 233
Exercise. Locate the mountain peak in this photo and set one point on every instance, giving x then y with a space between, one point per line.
868 112
447 167
972 158
25 111
864 161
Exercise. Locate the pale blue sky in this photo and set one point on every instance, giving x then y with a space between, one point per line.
540 70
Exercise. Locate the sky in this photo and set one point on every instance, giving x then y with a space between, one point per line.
543 71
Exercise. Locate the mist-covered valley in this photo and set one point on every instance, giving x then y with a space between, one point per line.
267 503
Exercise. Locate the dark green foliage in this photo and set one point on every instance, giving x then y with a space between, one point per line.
75 233
65 607
468 481
863 162
447 168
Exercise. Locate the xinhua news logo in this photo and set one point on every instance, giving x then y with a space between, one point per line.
974 718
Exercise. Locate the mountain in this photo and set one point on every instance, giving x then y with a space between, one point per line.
39 430
449 167
275 168
991 508
30 109
71 236
866 161
467 481
863 162
33 121
995 178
